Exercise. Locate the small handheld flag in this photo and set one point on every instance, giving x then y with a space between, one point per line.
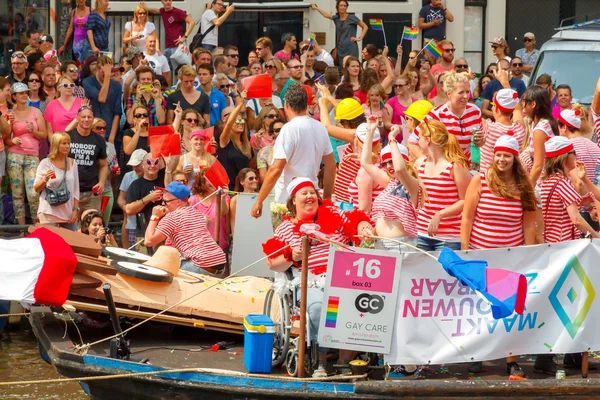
434 49
376 24
312 39
410 33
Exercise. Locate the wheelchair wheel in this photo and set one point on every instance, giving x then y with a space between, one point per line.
279 310
291 363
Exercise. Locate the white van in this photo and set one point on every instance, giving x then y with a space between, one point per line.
572 57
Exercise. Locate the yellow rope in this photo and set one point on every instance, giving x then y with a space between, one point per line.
179 370
14 315
84 347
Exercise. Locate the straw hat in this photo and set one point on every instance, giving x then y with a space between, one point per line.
166 258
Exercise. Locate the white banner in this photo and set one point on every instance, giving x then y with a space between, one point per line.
360 300
440 321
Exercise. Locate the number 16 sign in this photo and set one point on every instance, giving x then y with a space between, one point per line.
359 305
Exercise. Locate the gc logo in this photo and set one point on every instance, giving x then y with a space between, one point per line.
369 303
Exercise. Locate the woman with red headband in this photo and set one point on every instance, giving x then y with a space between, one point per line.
499 211
393 211
192 162
309 213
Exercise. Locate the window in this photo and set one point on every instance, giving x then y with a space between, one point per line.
474 34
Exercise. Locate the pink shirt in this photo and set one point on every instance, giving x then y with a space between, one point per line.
210 213
30 144
58 116
283 56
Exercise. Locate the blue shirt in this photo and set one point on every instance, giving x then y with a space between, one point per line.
100 29
218 102
114 100
430 14
492 87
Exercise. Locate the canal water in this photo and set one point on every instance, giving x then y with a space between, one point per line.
20 360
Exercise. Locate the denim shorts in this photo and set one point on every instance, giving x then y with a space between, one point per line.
431 244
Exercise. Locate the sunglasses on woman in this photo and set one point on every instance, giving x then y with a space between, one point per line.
184 181
224 87
101 128
73 69
152 163
252 178
240 121
276 130
67 85
271 116
192 120
269 66
35 80
141 115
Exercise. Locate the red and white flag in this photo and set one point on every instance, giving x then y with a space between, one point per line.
38 269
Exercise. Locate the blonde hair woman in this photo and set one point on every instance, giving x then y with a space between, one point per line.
137 30
50 174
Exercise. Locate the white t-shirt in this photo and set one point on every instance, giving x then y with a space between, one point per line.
325 57
140 43
213 36
254 104
159 64
302 142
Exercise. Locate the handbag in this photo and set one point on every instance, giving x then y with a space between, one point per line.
60 195
182 55
198 37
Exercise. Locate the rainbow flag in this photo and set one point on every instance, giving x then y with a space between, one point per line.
333 304
312 39
410 33
376 24
434 49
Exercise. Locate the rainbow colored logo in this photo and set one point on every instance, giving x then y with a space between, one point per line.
333 305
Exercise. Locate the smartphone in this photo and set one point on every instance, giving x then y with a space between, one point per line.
146 88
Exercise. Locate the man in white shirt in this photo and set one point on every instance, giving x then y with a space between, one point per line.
209 19
300 147
157 62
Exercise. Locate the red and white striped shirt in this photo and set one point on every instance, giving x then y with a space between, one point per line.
441 193
498 221
186 230
347 171
526 160
319 251
557 223
461 127
588 153
544 126
394 204
492 131
596 119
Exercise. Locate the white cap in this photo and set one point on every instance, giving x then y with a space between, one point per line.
386 152
508 144
297 184
557 146
361 133
506 100
571 118
137 157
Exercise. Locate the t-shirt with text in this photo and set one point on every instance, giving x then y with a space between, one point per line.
87 150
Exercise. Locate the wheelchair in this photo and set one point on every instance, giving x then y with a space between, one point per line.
285 313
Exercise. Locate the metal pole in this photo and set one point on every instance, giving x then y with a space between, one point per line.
217 232
303 294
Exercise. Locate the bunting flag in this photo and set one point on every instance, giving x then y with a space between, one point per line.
410 33
505 290
376 24
434 49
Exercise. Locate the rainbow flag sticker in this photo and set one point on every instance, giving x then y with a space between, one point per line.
410 33
376 24
333 304
434 49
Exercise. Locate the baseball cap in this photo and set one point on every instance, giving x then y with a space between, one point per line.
117 69
29 48
132 52
179 190
529 35
19 87
137 157
499 40
47 38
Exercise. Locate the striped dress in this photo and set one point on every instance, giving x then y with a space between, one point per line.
557 223
394 204
441 193
492 131
498 221
461 127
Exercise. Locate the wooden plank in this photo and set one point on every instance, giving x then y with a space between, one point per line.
81 281
86 264
79 242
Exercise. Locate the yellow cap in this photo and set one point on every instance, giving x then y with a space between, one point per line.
419 109
348 109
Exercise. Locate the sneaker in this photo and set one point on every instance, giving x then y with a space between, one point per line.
476 367
513 369
545 364
320 372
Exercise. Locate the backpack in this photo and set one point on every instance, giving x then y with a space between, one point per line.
7 210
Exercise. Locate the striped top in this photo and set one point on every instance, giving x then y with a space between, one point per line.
526 160
288 233
394 204
586 152
596 119
441 193
347 171
492 131
498 221
186 230
461 127
544 126
557 224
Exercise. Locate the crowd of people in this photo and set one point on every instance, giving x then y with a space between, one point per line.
424 154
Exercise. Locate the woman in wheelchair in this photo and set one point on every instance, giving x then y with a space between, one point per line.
326 223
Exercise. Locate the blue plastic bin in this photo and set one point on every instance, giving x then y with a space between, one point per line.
258 343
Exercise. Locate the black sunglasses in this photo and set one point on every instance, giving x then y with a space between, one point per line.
528 40
194 120
461 66
449 50
165 202
276 130
141 115
83 108
233 55
18 55
517 64
271 116
400 86
35 80
224 86
100 128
